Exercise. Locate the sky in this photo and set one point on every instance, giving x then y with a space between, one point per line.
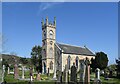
80 23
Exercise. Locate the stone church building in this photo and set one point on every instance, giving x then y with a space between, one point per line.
56 55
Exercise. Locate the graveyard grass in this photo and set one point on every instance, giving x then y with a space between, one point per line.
45 79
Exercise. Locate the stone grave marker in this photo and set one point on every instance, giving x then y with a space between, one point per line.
97 73
23 72
48 74
8 70
65 74
87 71
31 74
16 72
82 71
97 76
38 76
73 76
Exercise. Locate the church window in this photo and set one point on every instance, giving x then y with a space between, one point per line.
51 65
77 60
69 59
51 52
51 34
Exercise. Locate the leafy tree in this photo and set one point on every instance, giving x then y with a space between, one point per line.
36 57
100 61
24 60
118 67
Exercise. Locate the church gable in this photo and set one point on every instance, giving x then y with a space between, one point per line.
69 49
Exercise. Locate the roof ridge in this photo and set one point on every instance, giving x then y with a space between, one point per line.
72 45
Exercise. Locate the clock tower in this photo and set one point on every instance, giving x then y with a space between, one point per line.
48 40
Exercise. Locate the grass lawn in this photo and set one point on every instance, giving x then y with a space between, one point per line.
10 79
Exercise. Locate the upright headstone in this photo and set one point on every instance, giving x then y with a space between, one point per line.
31 74
16 72
87 71
23 72
8 70
73 76
82 71
97 76
48 72
38 76
3 72
97 73
65 74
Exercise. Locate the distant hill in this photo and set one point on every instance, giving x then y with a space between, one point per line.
10 59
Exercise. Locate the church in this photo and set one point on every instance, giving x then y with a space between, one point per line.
56 55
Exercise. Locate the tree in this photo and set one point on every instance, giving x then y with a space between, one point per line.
24 60
100 61
36 57
118 67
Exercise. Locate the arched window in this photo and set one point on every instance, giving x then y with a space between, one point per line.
69 58
51 52
77 60
51 34
51 65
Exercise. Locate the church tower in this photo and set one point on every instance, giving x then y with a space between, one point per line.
48 40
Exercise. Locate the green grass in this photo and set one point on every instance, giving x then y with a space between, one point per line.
45 79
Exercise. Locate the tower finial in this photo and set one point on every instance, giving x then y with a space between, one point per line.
54 21
42 22
47 20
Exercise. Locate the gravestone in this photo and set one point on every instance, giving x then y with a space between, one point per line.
82 71
73 76
3 72
97 76
8 70
16 72
48 74
31 74
97 73
23 72
87 71
38 76
65 74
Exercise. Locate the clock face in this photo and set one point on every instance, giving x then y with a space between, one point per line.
51 34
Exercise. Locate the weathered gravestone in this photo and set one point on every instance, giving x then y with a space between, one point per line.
97 73
97 76
73 76
48 74
16 72
23 72
31 74
38 76
87 71
8 70
65 74
82 71
3 72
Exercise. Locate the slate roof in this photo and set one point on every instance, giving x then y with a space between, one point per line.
69 49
